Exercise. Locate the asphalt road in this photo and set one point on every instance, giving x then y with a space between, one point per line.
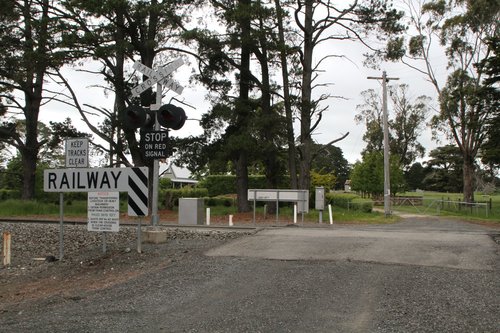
414 276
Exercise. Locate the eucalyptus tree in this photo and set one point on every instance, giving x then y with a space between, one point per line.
330 159
221 55
490 67
367 176
462 28
115 33
444 170
330 21
243 122
31 35
405 126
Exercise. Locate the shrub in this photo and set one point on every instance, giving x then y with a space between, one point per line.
226 184
219 201
171 196
349 201
6 194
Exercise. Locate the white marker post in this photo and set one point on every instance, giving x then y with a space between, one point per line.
295 214
6 248
208 215
330 213
230 220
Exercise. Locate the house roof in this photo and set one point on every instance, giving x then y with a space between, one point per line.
178 174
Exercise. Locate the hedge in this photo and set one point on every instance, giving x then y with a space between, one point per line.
6 194
219 201
349 201
226 184
171 196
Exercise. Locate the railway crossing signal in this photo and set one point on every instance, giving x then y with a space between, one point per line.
168 116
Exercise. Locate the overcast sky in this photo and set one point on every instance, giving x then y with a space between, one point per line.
348 78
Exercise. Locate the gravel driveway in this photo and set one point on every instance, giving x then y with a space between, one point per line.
175 287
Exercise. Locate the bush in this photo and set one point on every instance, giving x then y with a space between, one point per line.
6 194
165 183
226 184
219 201
349 201
171 196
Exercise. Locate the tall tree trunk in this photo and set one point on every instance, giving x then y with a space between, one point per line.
269 124
119 83
306 105
292 152
468 174
33 95
243 107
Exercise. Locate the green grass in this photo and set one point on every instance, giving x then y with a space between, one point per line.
78 208
12 207
433 206
340 215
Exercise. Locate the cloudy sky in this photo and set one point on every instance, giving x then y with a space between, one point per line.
347 77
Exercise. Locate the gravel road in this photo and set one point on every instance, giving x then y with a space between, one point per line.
175 287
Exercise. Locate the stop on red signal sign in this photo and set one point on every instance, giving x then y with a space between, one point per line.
154 144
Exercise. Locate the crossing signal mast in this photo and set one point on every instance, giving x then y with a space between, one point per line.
154 141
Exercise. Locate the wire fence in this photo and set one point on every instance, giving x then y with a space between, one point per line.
438 206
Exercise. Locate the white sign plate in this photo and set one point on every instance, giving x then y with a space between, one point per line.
87 180
77 153
301 197
155 76
279 195
103 211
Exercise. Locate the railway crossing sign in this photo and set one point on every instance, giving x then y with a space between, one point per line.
131 180
158 76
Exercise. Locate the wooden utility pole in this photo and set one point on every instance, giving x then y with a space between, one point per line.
387 178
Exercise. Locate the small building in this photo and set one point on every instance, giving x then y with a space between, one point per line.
347 185
179 177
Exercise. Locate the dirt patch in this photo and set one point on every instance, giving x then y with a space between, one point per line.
31 279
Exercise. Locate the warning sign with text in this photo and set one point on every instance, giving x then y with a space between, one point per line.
103 211
77 153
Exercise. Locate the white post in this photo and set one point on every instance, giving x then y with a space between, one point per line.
230 220
330 213
294 213
208 215
6 248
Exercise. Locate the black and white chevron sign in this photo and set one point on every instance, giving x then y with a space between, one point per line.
138 192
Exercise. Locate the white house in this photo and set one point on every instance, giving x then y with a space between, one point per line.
180 177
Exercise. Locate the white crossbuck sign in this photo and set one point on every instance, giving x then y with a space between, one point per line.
158 76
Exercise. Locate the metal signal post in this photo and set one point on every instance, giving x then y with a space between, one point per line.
136 117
